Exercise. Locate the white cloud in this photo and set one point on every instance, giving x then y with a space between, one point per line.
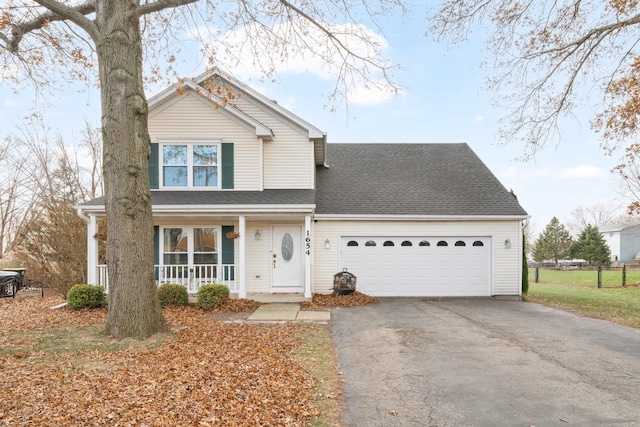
297 47
580 172
371 94
478 118
8 72
9 103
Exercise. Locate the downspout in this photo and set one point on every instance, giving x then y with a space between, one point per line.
326 151
92 250
82 215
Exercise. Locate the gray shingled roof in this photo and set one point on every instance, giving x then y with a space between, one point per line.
379 179
275 197
410 179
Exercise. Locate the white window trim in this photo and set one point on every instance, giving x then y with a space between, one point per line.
190 165
190 242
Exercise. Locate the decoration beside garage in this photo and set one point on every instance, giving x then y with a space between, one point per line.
344 283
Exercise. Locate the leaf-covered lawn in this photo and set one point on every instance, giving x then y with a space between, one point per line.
57 368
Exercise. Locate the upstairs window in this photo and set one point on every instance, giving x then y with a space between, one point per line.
190 165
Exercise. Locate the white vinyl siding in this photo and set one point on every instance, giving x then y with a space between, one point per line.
190 118
258 258
289 157
505 263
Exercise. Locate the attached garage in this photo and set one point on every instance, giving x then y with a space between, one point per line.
426 220
419 265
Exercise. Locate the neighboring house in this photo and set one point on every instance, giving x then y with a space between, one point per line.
623 241
406 219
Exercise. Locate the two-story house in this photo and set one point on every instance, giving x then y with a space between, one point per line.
248 194
623 241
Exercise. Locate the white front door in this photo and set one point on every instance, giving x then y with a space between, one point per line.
286 259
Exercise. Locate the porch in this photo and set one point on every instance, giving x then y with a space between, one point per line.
190 276
267 252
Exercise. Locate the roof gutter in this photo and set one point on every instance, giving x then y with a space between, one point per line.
81 214
218 209
330 217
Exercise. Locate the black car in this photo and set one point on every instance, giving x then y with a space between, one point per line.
10 282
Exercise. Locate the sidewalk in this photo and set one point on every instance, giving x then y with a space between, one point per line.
287 312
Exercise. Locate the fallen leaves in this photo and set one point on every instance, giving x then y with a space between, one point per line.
237 305
335 300
201 373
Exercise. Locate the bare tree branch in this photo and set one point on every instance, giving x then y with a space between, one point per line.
544 54
57 12
157 6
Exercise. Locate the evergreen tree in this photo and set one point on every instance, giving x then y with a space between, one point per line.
554 243
591 247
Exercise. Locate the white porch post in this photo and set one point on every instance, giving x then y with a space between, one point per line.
92 250
242 293
307 256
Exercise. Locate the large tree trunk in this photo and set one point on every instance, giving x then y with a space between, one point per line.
134 306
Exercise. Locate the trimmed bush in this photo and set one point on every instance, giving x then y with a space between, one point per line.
211 296
173 294
85 296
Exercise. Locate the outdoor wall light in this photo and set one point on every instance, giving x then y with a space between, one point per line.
507 244
257 235
327 244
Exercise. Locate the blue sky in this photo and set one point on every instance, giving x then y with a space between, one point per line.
445 101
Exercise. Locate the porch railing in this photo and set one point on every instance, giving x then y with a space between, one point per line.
191 276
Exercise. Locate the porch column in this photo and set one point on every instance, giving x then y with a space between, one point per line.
307 256
92 250
242 293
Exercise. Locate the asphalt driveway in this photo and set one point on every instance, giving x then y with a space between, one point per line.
484 362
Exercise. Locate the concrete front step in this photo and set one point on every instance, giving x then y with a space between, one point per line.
287 312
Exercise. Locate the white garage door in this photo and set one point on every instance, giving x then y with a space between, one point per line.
418 266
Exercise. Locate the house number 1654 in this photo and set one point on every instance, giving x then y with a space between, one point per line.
307 243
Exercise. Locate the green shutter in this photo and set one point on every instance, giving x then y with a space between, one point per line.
228 253
227 165
156 246
154 175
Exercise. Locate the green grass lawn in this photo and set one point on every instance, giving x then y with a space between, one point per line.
620 305
610 278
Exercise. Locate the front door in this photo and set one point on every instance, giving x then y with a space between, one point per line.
286 259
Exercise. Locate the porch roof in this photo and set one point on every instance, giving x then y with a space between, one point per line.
303 198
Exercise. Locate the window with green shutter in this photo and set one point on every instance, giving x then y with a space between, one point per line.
153 168
196 165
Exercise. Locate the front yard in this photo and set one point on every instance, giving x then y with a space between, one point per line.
617 304
58 368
